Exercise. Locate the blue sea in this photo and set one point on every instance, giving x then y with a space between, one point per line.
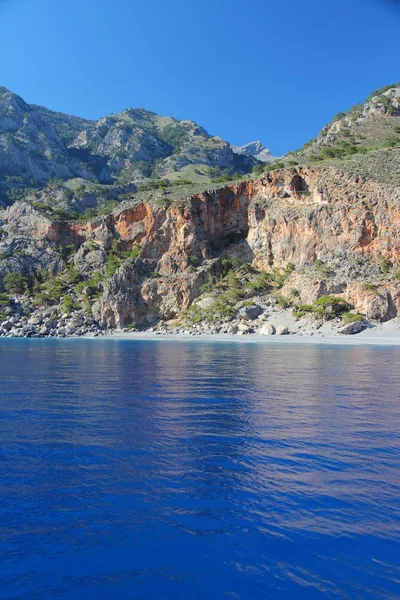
196 470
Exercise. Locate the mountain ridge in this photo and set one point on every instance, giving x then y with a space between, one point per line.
313 237
134 146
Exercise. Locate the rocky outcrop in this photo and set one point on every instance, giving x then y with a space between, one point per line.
347 224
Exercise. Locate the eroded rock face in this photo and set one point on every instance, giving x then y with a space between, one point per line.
293 216
305 215
132 297
378 304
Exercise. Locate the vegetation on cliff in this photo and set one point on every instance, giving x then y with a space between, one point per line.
307 234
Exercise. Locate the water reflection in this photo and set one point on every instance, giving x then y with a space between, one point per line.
198 470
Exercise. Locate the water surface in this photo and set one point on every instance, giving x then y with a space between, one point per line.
193 470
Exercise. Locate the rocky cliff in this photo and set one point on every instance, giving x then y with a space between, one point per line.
337 231
320 239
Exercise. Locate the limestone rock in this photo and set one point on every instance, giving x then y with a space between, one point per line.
352 328
267 329
282 330
250 312
205 302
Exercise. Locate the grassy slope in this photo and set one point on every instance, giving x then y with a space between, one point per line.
365 140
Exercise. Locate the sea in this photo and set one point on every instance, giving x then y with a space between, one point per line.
198 470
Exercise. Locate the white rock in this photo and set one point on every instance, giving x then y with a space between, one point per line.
34 321
282 330
206 302
267 329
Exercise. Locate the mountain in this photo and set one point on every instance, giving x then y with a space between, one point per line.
257 150
364 140
39 147
313 241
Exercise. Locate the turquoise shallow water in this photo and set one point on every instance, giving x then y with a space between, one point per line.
182 470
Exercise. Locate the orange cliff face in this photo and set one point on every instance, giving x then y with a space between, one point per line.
294 216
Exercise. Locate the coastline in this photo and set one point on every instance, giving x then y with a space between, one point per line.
386 334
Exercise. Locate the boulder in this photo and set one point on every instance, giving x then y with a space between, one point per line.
250 312
233 329
34 321
267 329
352 328
50 323
282 330
206 302
379 307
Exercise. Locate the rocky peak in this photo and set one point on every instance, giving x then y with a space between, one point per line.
257 150
38 145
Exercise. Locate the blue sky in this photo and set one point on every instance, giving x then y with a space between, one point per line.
244 69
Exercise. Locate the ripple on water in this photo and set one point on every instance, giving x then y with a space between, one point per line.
198 470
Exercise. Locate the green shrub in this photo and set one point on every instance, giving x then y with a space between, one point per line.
276 166
349 317
283 302
68 304
290 267
305 307
73 275
260 282
396 273
88 308
321 311
112 264
4 299
95 279
195 260
233 295
182 182
134 253
298 314
232 280
234 264
258 170
14 283
337 304
53 289
321 268
208 287
391 142
160 184
385 266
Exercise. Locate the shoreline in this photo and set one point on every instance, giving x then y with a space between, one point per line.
387 334
381 334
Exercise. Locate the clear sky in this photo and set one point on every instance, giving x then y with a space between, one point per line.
244 69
